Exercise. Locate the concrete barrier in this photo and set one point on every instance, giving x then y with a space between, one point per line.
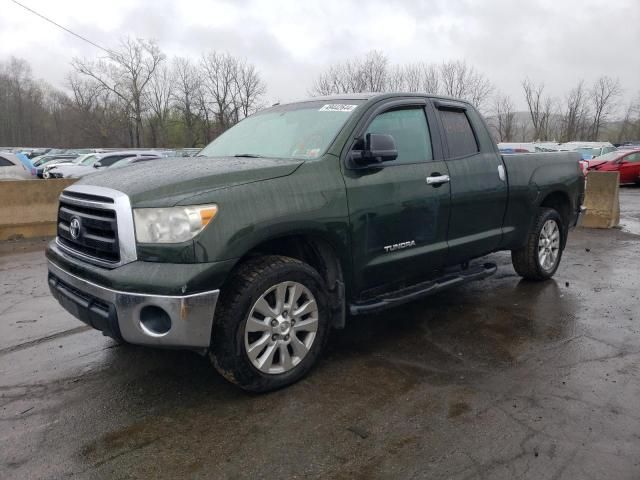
602 200
29 208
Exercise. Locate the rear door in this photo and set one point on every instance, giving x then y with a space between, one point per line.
478 183
398 220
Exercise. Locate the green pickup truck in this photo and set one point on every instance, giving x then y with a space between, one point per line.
298 217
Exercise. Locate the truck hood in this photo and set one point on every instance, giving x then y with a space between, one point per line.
167 182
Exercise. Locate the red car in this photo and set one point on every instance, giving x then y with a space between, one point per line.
627 162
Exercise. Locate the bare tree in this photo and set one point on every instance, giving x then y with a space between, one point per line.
413 77
461 80
250 89
400 79
430 79
373 72
540 109
126 72
505 119
219 79
369 74
630 125
574 118
186 96
158 100
603 96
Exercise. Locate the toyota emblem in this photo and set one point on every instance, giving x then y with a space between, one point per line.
74 228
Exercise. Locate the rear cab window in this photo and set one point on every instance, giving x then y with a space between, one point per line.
459 133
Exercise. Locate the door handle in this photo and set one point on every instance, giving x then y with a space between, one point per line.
501 173
437 180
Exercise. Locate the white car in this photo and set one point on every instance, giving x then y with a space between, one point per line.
589 150
96 163
11 168
86 159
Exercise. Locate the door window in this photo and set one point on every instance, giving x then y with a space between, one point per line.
108 161
5 163
460 136
633 158
409 129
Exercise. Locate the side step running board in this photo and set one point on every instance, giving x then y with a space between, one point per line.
423 289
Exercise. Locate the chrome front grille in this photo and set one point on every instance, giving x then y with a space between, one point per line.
97 235
95 224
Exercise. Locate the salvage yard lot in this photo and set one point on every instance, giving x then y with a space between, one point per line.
501 379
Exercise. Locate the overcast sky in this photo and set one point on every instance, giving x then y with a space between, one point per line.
291 41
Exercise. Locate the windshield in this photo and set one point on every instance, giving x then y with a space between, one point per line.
299 130
607 157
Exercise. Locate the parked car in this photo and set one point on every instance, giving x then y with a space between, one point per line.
589 150
516 147
40 162
627 162
85 159
12 168
629 146
96 163
297 215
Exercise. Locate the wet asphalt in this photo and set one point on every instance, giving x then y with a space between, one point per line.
496 379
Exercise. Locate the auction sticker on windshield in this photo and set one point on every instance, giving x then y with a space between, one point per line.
337 107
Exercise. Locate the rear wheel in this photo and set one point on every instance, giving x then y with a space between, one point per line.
271 324
540 257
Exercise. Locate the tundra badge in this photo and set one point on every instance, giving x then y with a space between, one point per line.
399 246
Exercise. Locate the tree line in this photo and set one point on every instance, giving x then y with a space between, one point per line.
582 114
134 96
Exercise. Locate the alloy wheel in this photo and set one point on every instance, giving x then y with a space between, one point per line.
549 245
281 327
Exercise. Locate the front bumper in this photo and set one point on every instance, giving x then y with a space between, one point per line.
134 317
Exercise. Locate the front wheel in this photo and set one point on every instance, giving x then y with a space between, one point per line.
271 324
540 257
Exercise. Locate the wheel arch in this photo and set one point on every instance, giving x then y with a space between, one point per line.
560 201
320 253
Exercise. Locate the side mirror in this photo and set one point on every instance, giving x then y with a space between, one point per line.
378 148
97 165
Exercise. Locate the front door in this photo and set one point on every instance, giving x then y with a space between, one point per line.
478 184
398 220
630 168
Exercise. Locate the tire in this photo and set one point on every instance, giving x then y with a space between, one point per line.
527 260
262 278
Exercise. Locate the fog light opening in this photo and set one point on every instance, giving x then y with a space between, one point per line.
154 321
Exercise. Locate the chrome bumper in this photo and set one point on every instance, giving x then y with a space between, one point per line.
191 316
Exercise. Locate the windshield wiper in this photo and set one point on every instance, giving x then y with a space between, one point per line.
248 155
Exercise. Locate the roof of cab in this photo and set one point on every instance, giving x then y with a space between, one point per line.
371 96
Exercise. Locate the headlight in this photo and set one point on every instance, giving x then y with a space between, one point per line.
171 225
